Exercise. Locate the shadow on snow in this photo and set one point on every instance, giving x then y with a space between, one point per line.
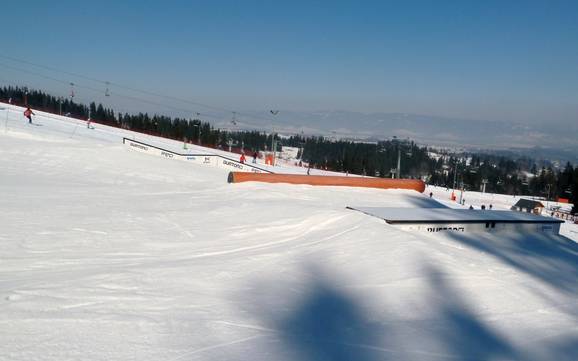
328 323
552 260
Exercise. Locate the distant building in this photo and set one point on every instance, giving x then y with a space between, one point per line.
563 214
529 206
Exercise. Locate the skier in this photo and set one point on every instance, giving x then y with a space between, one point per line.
255 155
430 194
243 159
490 207
28 113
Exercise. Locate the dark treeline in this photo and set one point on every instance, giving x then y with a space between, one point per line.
498 174
190 130
39 100
507 176
469 171
372 159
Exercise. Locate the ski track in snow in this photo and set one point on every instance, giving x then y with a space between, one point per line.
209 348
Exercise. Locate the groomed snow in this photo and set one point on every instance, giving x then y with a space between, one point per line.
110 254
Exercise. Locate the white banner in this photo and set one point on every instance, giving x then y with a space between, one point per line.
202 159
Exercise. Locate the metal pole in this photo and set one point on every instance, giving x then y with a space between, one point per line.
398 162
455 173
199 130
548 196
197 118
273 145
6 122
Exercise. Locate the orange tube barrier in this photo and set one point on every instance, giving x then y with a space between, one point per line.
320 180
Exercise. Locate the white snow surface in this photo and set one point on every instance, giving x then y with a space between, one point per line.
110 254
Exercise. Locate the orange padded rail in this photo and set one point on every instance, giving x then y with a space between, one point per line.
320 180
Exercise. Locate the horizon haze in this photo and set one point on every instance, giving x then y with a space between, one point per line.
430 71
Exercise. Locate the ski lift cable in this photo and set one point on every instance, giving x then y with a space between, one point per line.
15 83
146 101
129 87
187 111
68 83
97 90
34 73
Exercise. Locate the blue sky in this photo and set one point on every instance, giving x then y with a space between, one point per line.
498 60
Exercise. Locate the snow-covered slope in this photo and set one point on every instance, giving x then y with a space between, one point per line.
109 254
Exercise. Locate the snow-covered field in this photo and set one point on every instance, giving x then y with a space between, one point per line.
110 254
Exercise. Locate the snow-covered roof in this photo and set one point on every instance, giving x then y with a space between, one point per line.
449 215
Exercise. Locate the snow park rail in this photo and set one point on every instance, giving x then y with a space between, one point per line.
214 160
319 180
